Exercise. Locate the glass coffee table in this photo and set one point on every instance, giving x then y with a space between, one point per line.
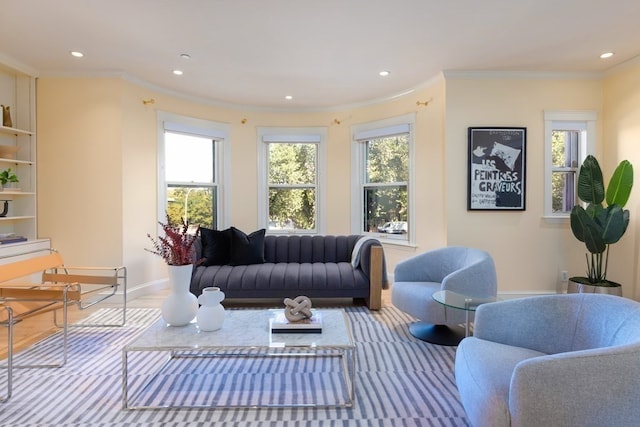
461 302
241 365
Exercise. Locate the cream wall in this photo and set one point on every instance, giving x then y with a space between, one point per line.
79 168
97 167
528 251
622 141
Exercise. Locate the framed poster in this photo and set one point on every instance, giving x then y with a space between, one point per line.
496 168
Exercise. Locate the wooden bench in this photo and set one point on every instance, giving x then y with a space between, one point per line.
57 288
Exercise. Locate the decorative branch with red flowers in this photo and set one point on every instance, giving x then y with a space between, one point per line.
176 246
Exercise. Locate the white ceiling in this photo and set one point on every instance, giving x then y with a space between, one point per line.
325 53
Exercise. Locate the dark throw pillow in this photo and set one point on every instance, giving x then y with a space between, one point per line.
245 249
216 246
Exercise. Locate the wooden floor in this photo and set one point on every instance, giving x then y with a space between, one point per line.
36 328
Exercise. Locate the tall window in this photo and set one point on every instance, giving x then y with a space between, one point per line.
564 164
569 138
291 192
191 163
384 175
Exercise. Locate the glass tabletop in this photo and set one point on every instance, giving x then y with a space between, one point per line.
462 302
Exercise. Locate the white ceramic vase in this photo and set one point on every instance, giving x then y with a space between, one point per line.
210 315
180 306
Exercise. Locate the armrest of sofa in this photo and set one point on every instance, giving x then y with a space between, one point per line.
364 262
590 387
545 324
370 260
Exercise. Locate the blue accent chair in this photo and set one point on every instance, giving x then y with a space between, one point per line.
554 360
467 271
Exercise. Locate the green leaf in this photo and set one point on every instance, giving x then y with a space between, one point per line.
590 181
613 224
619 188
579 218
593 239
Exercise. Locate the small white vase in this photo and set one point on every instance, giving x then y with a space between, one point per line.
210 315
180 306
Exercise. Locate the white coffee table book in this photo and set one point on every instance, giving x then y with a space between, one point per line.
158 363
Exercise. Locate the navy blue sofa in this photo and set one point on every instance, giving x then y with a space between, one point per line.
315 266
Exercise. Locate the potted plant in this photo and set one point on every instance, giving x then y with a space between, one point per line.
176 248
599 226
7 176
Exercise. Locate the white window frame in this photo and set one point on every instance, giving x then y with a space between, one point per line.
378 129
202 128
316 135
582 121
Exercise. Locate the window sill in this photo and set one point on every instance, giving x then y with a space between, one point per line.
555 219
385 240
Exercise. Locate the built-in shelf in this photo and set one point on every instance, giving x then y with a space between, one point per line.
8 192
18 153
16 162
15 131
16 218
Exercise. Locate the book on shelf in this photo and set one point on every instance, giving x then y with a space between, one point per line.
12 239
279 324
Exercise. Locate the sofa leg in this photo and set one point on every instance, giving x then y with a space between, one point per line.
374 302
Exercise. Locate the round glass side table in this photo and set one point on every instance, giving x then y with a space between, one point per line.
461 302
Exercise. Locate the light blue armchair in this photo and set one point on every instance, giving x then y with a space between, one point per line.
555 360
467 271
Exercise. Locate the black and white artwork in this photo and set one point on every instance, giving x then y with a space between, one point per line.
496 168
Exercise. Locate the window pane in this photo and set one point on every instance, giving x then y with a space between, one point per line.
188 158
385 209
564 149
292 209
193 203
563 191
387 159
292 164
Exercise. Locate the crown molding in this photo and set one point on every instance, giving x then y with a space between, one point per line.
520 75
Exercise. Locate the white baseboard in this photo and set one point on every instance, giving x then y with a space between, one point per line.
522 294
141 290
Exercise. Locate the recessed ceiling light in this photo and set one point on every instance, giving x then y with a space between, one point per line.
77 54
384 73
606 55
178 72
185 56
288 97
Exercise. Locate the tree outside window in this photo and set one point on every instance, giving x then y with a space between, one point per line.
564 153
191 190
292 186
386 185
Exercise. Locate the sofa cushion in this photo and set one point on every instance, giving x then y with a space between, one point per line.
282 280
484 370
247 249
216 246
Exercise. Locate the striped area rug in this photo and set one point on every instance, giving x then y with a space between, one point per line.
399 381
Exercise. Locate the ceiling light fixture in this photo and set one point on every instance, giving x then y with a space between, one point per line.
384 73
185 56
606 55
288 97
76 53
178 72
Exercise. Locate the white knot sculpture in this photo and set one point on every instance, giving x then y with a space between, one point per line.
297 309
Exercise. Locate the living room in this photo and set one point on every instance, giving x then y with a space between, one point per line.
98 150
